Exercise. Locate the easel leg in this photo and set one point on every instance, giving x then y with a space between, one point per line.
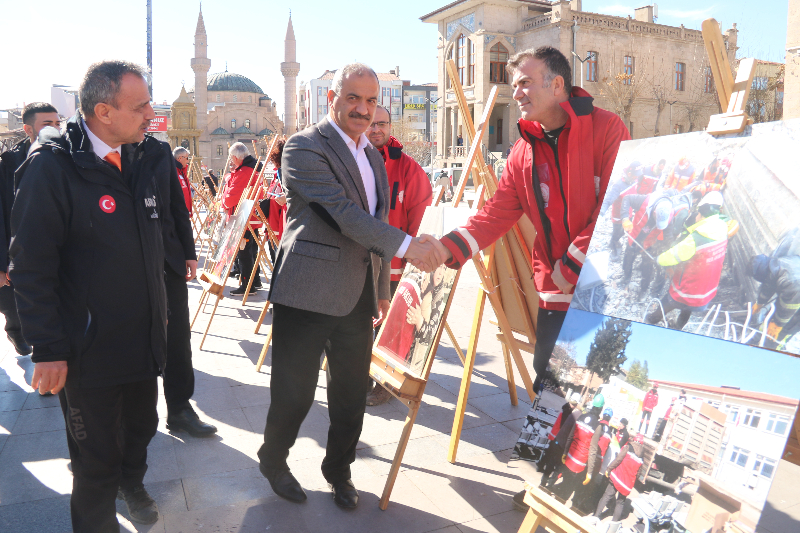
512 387
199 306
324 366
219 297
398 457
262 316
263 354
454 341
250 281
531 523
469 363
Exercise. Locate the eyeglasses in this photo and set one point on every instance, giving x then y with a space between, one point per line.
381 124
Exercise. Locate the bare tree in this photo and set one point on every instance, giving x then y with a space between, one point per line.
702 100
563 359
414 143
764 103
622 85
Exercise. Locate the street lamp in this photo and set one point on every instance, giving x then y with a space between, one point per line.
588 55
431 134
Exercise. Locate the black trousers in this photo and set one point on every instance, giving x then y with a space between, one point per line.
247 260
8 306
548 326
611 493
178 372
109 429
298 340
549 463
570 481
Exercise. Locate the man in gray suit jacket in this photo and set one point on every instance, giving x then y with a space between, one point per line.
331 281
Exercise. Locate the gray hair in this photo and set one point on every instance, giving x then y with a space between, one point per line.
353 69
238 150
179 151
102 83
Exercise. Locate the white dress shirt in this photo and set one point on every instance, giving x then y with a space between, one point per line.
367 176
99 147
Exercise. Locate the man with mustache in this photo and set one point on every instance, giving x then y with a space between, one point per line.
331 281
557 175
87 264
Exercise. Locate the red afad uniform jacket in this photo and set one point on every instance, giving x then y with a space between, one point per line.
410 193
185 187
562 196
237 183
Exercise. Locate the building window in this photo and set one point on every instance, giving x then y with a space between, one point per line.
471 64
500 131
680 76
733 413
218 96
219 150
740 456
395 94
233 124
708 85
247 124
235 97
764 467
591 67
321 92
760 83
752 418
498 59
322 110
250 99
263 151
678 128
461 58
627 69
777 424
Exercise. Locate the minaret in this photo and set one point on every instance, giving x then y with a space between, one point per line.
201 64
290 68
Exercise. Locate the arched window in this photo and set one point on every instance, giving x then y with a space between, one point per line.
461 58
218 95
471 62
235 97
233 124
247 124
498 59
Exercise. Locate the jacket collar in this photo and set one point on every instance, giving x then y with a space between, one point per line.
249 161
393 149
340 148
579 104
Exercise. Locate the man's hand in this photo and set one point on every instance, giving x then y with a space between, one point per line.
280 200
191 269
383 310
3 279
49 377
558 278
414 316
426 253
627 225
564 459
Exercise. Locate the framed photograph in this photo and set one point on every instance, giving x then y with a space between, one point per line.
702 234
416 312
229 240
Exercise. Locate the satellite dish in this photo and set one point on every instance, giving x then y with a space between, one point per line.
655 10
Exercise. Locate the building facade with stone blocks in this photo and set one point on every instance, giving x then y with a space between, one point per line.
655 77
420 110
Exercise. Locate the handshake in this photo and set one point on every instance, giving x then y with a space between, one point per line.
427 253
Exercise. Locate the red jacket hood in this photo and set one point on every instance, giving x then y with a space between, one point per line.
393 149
579 104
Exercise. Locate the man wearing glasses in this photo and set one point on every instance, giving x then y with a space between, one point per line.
409 192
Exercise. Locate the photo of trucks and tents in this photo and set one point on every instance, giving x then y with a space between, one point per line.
700 234
712 417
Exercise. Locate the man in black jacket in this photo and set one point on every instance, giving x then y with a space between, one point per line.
34 117
87 264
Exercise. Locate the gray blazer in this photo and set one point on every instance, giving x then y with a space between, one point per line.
330 238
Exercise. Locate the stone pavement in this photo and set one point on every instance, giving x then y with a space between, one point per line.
204 485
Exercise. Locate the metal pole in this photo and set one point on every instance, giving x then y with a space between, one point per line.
150 46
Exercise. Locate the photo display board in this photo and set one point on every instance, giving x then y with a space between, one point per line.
229 240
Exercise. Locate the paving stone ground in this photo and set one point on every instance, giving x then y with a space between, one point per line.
213 485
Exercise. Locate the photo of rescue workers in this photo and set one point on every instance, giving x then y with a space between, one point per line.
702 234
645 425
417 308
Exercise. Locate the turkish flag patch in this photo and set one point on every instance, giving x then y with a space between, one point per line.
108 204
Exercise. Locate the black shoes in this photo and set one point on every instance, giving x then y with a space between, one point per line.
141 507
20 345
283 483
344 494
188 421
242 288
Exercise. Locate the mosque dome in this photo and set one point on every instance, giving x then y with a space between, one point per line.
228 81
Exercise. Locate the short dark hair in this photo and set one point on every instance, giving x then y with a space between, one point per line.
29 113
387 112
556 63
102 83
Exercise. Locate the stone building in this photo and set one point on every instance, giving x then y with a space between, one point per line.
230 108
791 108
183 130
654 76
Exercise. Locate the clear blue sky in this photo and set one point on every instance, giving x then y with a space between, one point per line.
53 41
689 358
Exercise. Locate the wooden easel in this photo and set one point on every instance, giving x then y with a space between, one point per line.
547 512
502 263
732 93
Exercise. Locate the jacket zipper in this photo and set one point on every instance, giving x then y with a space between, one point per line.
561 187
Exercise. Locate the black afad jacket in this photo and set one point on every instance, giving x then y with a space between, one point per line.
87 259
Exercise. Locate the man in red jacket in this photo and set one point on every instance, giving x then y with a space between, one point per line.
561 195
648 404
181 156
410 193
